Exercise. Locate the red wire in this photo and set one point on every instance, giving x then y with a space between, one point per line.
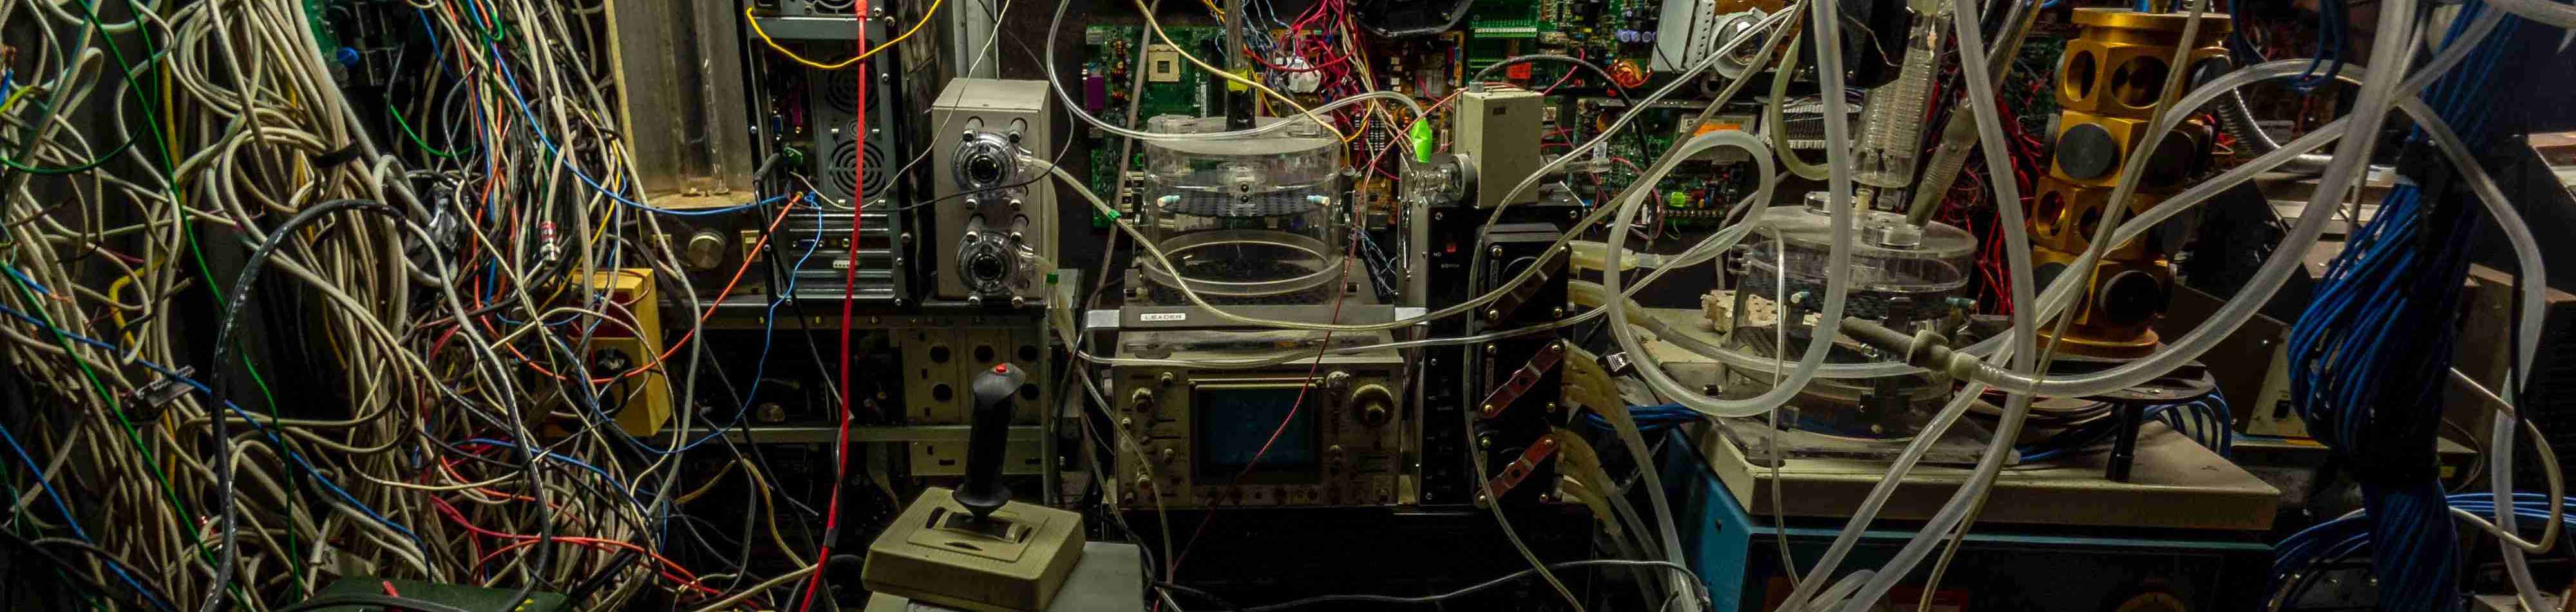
1340 291
849 281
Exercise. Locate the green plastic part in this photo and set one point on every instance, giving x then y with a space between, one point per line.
1676 200
1421 141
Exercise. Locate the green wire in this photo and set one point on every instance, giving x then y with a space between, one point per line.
415 136
162 141
74 169
20 528
113 407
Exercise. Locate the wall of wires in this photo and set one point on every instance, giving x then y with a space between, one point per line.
257 344
292 299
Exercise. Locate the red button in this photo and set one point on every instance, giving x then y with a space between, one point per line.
1002 368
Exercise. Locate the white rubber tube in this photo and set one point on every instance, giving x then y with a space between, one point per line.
2267 281
2542 11
1837 138
1980 87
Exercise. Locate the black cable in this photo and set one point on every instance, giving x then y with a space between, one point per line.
85 581
1201 595
1490 584
386 602
600 579
236 302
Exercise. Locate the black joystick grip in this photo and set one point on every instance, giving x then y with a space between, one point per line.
986 436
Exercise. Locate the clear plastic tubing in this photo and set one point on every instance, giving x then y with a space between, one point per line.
1835 289
1980 86
1055 82
2269 279
2517 231
1615 304
2542 11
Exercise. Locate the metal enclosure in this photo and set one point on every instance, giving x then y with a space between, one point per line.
995 207
1498 129
679 68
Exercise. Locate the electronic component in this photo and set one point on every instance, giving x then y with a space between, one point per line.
1162 64
1497 134
1329 431
995 223
974 547
853 173
640 399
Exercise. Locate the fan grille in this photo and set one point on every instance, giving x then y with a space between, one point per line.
845 176
840 89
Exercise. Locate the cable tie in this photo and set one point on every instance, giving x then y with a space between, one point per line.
342 155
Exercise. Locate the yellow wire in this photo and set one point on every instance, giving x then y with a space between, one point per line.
1157 27
773 45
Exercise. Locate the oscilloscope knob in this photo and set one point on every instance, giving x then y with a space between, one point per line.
1373 403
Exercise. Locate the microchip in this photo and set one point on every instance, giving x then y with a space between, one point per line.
1162 64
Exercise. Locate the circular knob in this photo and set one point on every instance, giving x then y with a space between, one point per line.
705 250
1374 404
1143 401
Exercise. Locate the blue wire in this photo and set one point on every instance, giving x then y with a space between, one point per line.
531 115
768 332
201 388
546 454
35 473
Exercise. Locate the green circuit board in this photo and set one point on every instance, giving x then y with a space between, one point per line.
1172 86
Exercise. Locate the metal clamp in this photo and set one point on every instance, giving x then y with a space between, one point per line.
1522 380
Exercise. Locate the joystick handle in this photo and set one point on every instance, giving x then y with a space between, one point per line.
987 434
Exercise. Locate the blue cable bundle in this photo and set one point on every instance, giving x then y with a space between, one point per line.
2334 24
1650 419
2347 536
2367 372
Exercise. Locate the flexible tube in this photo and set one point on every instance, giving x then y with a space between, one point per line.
1055 82
1779 128
1981 102
1159 257
2238 121
2267 281
2551 13
1836 285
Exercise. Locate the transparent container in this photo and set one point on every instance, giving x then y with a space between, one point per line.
1903 276
1892 118
1247 220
